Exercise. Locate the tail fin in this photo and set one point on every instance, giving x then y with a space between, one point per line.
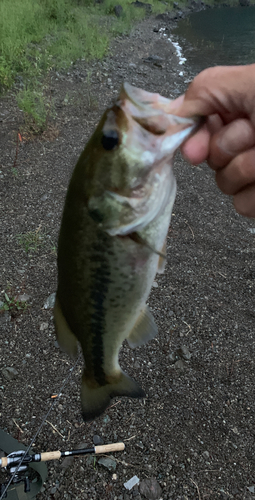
94 400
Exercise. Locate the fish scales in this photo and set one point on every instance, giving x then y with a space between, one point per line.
113 232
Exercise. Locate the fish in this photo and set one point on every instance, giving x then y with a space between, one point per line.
112 240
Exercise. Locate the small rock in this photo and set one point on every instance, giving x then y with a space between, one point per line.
151 489
206 454
44 197
172 357
251 489
44 326
114 477
9 373
108 463
53 490
156 29
132 65
180 365
56 344
154 58
97 440
143 5
140 445
24 297
131 482
67 462
1 304
118 10
49 303
155 284
184 353
106 419
136 364
90 459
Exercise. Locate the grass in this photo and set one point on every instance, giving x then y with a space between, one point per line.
12 304
37 36
32 240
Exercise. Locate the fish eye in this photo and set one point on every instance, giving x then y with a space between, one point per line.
110 140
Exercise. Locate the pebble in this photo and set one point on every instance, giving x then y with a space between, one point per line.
9 373
118 10
67 462
251 489
172 357
108 463
155 284
184 353
180 365
206 454
151 489
49 303
131 482
23 297
44 326
97 440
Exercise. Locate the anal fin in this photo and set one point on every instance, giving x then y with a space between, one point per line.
144 330
65 337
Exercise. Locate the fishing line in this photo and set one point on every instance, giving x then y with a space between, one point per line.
41 426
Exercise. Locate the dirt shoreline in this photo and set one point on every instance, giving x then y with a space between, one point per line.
194 432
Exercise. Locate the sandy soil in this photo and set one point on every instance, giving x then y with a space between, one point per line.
194 433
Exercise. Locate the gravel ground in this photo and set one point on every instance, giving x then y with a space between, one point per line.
194 432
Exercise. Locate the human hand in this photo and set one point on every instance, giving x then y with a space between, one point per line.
226 97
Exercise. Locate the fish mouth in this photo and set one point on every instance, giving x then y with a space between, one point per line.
151 112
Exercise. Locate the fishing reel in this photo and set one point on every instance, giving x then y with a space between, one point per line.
19 482
18 473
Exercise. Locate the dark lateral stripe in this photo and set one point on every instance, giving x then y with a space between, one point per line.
98 293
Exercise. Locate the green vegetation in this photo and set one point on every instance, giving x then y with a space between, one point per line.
39 35
32 241
13 305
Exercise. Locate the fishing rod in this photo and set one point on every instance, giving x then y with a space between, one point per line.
13 459
13 466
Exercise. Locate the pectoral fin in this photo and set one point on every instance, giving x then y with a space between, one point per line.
65 337
144 330
162 260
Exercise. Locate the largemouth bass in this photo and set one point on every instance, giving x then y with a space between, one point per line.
112 240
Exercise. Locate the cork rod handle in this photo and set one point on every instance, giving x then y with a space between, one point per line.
106 448
50 455
3 462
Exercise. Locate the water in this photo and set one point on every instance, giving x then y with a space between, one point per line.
223 36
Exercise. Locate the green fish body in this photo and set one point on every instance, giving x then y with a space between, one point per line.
112 240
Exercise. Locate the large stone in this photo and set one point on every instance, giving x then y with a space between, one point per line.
108 463
9 373
151 489
118 10
146 6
